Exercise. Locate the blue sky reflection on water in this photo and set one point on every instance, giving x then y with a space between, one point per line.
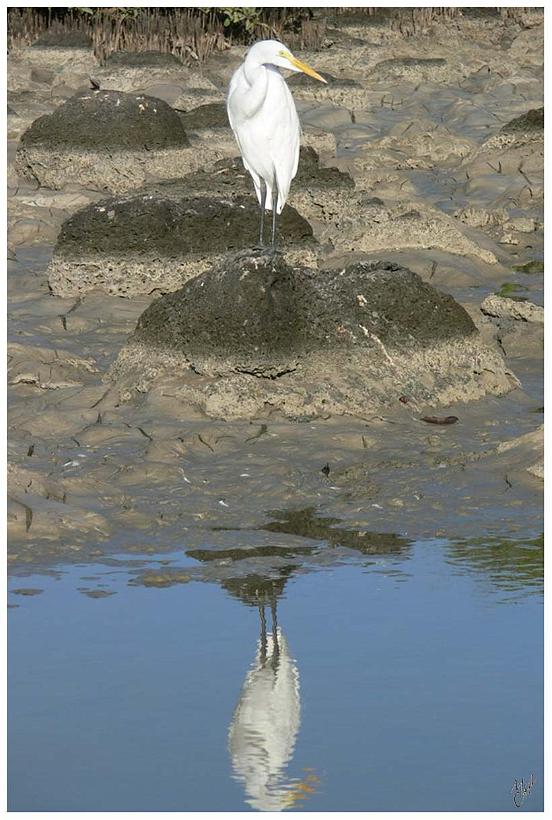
409 684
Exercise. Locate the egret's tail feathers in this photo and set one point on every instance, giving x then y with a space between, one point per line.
282 197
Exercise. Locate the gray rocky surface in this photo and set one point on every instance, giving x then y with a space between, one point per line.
107 140
139 243
257 332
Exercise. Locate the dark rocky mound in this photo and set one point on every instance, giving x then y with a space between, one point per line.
304 81
141 59
228 177
532 121
255 314
210 115
171 226
311 174
63 39
397 67
100 120
380 17
260 332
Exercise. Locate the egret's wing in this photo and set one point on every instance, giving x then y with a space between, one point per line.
236 111
285 138
268 139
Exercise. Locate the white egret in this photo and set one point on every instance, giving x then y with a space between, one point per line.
264 120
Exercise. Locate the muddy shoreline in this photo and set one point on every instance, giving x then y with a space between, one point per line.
437 146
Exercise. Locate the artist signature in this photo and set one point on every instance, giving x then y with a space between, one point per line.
522 789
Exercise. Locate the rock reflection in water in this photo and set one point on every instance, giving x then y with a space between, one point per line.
307 524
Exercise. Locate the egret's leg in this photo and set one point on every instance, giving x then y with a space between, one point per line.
274 204
274 612
263 633
263 204
276 647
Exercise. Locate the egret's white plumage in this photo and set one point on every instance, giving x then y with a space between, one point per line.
264 120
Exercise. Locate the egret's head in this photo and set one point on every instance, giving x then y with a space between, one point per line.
271 52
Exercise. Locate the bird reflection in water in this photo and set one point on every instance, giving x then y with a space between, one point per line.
267 717
266 720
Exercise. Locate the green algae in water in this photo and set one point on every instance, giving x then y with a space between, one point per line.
512 565
508 290
533 266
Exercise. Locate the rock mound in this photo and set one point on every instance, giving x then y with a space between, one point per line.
256 331
370 225
63 39
494 169
157 240
106 140
160 75
532 121
60 50
338 91
210 115
210 122
107 119
143 58
319 193
413 69
501 307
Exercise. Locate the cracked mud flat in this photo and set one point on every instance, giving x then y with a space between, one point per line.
89 477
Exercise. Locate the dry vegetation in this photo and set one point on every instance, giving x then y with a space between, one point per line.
191 34
194 33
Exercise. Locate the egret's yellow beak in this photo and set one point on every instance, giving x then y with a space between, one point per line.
306 69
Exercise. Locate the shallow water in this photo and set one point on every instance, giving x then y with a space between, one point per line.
407 678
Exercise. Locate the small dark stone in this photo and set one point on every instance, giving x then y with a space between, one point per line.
108 119
440 419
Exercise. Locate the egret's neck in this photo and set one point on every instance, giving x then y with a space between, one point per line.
257 76
254 70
